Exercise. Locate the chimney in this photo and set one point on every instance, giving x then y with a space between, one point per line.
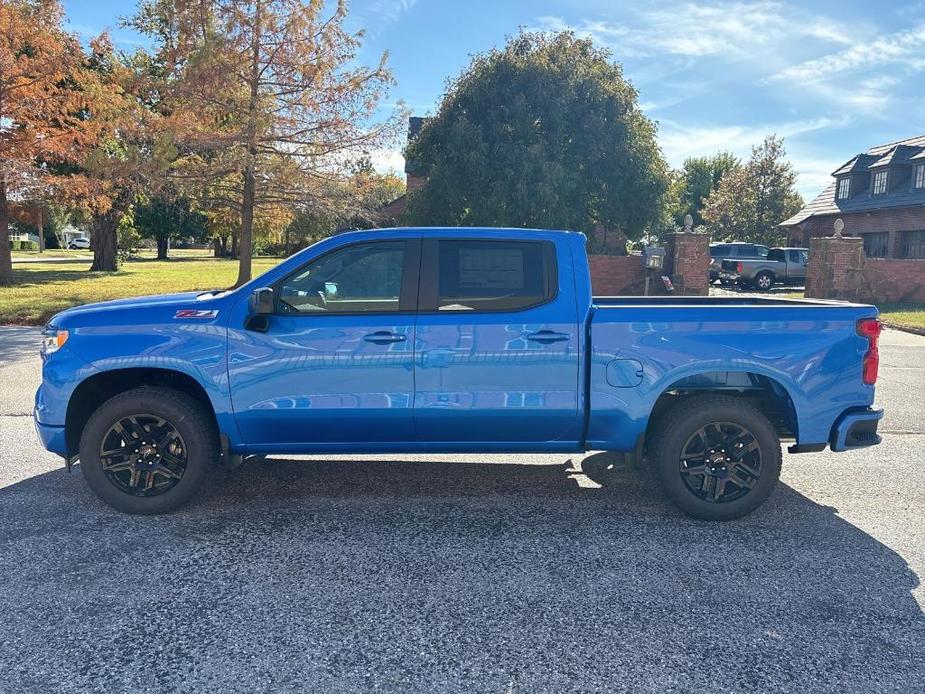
413 180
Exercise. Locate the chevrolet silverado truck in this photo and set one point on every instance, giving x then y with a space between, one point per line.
453 340
781 266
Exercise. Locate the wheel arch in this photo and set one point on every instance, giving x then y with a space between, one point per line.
98 388
766 392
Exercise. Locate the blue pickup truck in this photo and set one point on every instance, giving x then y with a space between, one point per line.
453 340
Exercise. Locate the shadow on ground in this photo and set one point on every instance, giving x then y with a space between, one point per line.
431 576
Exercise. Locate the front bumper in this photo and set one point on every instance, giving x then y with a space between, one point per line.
856 428
52 437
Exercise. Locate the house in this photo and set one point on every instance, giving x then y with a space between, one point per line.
880 196
390 213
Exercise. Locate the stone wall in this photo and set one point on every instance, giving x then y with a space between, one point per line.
616 275
838 269
687 261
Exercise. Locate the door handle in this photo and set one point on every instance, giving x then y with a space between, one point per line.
384 337
547 337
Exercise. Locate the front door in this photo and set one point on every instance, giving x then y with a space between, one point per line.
497 344
336 362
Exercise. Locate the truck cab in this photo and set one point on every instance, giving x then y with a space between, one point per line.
452 340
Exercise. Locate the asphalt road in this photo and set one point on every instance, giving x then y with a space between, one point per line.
476 574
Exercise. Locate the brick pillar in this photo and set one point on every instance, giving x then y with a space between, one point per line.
687 262
836 268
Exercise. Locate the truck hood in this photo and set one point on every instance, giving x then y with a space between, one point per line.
159 301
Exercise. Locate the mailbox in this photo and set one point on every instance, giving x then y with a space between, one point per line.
653 257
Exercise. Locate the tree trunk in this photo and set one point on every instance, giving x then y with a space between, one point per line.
6 259
40 224
105 240
233 251
216 248
163 245
245 245
105 243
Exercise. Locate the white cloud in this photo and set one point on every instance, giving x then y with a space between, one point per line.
387 161
679 141
700 29
905 49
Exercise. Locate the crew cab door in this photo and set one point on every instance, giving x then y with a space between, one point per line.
797 261
335 364
497 344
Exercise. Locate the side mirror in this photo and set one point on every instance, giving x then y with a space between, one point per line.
261 302
260 307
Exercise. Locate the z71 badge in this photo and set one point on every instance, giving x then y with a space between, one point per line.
196 313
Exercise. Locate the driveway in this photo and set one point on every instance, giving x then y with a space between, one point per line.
486 573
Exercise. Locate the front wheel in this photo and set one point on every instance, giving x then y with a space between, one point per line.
716 457
147 450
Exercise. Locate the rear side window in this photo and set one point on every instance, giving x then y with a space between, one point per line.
482 275
776 254
720 251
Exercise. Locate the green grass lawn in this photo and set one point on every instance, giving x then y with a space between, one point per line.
908 316
42 289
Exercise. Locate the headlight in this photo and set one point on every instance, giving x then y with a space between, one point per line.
53 340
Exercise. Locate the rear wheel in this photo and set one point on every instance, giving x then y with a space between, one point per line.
716 457
147 450
764 281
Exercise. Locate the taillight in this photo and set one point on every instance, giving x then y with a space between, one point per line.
870 328
739 267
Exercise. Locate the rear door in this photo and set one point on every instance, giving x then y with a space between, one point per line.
497 343
796 264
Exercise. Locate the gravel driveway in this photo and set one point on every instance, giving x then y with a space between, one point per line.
472 574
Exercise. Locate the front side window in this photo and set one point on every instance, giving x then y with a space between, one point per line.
492 275
844 188
363 278
879 182
920 176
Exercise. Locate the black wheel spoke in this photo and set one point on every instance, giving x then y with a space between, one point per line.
143 455
721 462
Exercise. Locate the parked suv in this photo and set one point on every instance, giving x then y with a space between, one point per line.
732 251
80 243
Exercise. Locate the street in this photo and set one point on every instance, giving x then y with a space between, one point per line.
494 573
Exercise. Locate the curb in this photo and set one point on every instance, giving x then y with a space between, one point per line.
903 328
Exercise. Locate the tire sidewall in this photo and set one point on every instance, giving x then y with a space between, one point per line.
674 437
770 281
181 413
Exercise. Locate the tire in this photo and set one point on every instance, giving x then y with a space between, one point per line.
127 419
676 433
764 281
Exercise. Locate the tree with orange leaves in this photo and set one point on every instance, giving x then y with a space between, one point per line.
269 104
41 124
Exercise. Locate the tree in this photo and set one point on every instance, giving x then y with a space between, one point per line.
698 177
132 147
753 200
40 124
167 216
545 132
270 99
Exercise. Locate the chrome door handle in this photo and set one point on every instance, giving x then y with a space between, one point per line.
548 337
384 337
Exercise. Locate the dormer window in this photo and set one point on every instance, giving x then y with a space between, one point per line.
918 181
878 185
844 188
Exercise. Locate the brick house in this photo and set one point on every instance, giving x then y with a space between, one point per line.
880 196
389 214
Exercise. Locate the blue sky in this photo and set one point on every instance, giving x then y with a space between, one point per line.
834 78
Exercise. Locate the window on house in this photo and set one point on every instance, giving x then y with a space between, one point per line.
912 244
920 176
879 182
844 187
876 245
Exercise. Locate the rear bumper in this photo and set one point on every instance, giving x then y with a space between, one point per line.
856 428
52 437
